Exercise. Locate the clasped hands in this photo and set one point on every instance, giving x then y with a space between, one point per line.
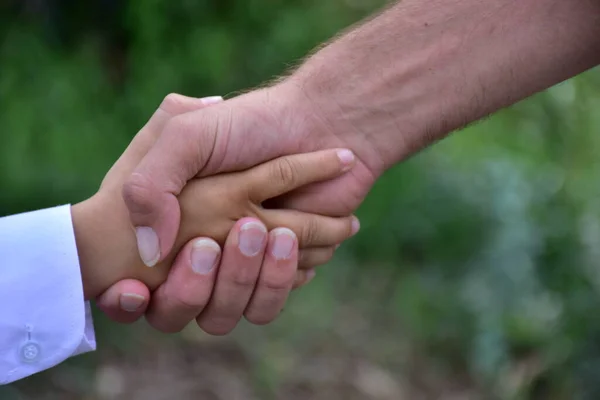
187 186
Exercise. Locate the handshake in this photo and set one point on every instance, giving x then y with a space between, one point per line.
215 211
272 176
269 247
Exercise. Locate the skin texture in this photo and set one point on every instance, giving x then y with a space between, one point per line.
210 208
385 89
107 244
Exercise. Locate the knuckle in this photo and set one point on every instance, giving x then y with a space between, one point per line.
260 318
310 231
176 125
189 139
187 303
284 171
278 288
244 281
170 102
137 194
218 326
241 279
162 325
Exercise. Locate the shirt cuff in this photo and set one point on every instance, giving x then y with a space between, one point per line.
44 319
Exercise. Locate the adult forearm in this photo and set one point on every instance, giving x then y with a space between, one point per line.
426 67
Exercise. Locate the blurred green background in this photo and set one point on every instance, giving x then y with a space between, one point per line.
476 274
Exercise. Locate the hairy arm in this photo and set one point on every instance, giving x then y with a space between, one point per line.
385 89
423 68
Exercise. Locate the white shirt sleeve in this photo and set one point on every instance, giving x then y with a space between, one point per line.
43 317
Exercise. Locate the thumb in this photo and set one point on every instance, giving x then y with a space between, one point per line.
134 190
150 193
172 105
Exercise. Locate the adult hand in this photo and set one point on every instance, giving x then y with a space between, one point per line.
212 300
185 293
235 135
393 85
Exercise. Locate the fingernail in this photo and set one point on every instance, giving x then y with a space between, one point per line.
346 157
204 256
337 246
131 302
147 241
310 274
284 243
355 226
207 101
252 238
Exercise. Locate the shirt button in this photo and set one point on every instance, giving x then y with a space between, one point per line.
30 352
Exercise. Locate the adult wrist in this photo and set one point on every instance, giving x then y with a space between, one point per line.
314 116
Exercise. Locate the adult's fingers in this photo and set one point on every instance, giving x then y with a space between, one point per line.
242 260
276 279
125 301
188 287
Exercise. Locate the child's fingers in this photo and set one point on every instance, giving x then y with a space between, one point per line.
314 257
313 230
285 174
276 278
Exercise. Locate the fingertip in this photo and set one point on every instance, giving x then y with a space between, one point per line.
125 302
346 158
207 101
155 216
205 254
148 245
251 237
355 225
283 244
175 103
132 302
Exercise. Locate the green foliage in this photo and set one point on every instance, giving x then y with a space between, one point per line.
480 253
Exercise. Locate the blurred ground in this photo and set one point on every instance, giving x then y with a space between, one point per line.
341 358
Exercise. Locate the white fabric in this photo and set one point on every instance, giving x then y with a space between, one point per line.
43 317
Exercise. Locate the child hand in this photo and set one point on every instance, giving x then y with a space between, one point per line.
210 207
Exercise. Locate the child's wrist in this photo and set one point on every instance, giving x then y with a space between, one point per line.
82 215
107 247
